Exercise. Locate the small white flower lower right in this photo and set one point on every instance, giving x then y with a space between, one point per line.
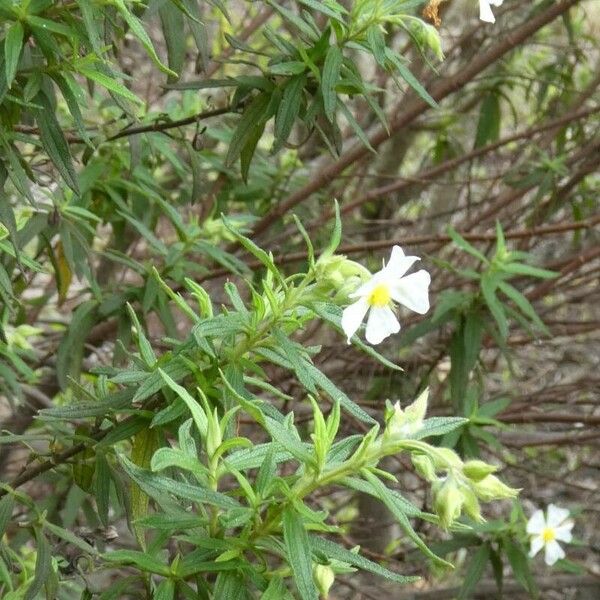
546 530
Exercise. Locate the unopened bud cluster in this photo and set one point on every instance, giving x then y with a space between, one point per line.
457 486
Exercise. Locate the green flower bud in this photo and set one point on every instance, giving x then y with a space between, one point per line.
405 423
476 470
424 466
444 458
214 437
448 502
471 505
324 578
427 35
337 273
491 488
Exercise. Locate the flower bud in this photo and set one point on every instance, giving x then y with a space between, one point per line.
324 578
405 423
448 502
427 35
424 466
476 470
471 505
443 458
337 273
491 488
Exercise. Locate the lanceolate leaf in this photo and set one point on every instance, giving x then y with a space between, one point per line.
254 117
54 141
331 74
336 552
299 554
13 43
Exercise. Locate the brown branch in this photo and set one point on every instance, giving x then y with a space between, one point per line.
164 125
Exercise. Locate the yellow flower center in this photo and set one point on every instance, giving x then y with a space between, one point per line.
380 296
548 535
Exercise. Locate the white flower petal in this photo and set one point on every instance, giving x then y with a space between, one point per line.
485 11
556 515
553 553
537 543
382 323
537 523
399 263
366 288
563 533
413 291
496 2
353 316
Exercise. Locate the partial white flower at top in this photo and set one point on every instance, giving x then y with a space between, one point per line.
485 10
546 530
377 296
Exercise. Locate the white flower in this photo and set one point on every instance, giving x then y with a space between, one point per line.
545 530
485 10
380 291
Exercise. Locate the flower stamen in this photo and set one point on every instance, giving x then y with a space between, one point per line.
548 535
380 296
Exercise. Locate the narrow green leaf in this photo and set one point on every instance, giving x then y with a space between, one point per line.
193 405
397 509
276 590
439 426
172 20
254 115
519 563
288 441
299 555
7 505
329 79
140 559
43 566
413 82
522 269
157 486
140 33
474 572
288 109
70 537
109 83
523 304
53 140
488 289
488 126
336 552
13 44
144 346
465 246
70 349
102 481
165 591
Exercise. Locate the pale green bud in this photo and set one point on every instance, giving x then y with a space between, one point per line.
338 274
476 470
471 504
424 466
448 502
405 423
444 458
324 578
18 337
491 488
427 35
214 437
